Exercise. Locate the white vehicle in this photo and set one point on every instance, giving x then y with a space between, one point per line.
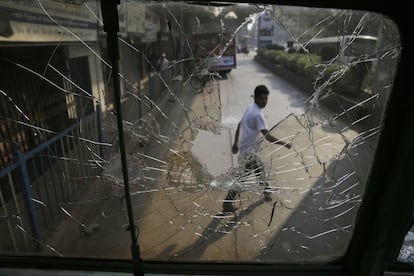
346 48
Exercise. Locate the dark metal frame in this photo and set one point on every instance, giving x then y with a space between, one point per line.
386 211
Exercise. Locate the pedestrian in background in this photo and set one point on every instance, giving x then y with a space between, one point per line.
162 63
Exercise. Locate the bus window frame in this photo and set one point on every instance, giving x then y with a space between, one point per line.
385 213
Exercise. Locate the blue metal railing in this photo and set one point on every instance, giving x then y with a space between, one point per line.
33 187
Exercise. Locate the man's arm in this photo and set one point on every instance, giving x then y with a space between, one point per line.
235 147
269 137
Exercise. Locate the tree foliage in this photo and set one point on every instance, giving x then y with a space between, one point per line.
304 23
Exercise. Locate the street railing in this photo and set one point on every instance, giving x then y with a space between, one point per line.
35 186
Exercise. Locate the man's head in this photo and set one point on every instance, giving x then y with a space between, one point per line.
261 94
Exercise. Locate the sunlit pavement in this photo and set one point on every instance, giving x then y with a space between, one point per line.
180 217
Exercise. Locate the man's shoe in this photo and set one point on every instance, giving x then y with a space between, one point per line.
267 197
228 207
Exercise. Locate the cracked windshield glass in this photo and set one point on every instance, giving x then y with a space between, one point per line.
248 131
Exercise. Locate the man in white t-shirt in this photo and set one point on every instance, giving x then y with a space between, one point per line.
252 127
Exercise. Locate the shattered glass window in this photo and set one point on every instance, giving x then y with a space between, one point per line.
187 74
406 254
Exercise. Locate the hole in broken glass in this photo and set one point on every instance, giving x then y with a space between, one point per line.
179 126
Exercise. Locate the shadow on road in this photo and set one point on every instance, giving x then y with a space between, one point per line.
321 227
219 226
